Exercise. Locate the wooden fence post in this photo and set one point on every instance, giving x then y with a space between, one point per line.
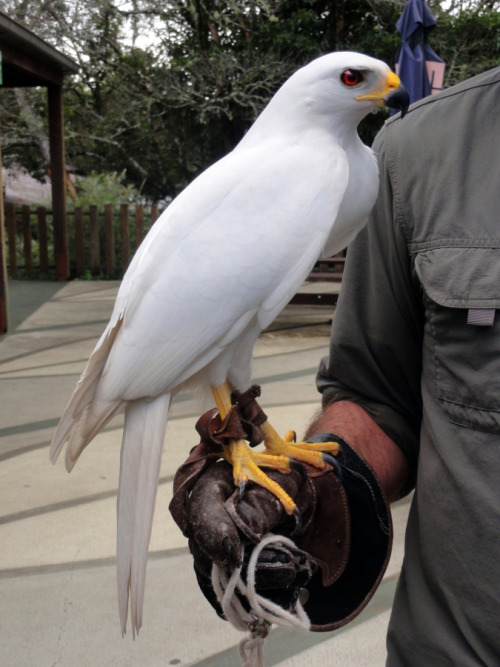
110 240
79 242
19 218
26 216
154 213
139 225
57 177
41 214
125 237
10 210
95 250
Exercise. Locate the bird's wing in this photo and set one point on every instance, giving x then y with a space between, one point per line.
239 240
233 247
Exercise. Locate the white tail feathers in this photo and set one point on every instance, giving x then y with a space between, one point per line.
82 419
142 445
94 418
143 434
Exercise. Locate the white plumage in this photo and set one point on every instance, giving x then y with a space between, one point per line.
217 267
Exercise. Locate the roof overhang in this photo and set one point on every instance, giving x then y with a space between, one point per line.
28 60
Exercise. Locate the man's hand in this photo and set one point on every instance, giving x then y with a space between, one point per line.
219 519
219 522
341 547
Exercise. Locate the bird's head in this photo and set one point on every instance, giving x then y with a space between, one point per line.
334 92
348 83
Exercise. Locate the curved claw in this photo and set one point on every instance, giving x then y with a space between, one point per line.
243 486
328 458
298 521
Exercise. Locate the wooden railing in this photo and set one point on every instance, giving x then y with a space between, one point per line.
101 242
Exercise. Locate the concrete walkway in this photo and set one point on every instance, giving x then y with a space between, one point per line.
57 531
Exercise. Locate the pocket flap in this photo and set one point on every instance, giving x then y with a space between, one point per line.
461 277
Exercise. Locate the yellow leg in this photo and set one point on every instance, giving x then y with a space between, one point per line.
222 397
246 462
307 452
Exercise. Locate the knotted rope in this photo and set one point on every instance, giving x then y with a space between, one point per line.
263 612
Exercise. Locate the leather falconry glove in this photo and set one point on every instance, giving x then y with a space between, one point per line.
342 545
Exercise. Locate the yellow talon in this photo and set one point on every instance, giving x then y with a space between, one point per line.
247 462
307 452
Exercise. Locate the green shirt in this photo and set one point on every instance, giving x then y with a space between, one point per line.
416 341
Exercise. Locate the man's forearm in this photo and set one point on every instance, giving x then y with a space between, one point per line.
354 424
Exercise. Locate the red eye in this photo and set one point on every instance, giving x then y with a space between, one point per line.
350 77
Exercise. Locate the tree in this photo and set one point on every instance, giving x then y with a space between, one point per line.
468 40
166 88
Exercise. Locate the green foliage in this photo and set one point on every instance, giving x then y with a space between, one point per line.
18 145
105 188
468 42
156 112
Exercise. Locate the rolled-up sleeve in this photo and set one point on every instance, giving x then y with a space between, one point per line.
376 341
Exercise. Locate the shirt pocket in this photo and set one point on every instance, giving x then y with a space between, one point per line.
461 296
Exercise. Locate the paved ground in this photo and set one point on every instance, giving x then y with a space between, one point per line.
57 532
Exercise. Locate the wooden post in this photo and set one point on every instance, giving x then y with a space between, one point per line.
79 242
139 224
125 236
57 175
10 209
95 250
26 215
4 286
42 239
110 240
154 213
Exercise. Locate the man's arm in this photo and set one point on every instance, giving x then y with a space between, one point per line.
375 359
355 425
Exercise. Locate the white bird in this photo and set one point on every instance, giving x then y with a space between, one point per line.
215 270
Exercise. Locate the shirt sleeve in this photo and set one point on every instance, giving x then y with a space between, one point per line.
376 340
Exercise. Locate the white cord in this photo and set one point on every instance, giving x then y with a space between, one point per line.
263 612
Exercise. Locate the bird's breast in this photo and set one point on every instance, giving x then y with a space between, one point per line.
359 199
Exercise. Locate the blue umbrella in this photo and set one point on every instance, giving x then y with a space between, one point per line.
418 66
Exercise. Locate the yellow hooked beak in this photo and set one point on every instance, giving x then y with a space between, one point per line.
392 93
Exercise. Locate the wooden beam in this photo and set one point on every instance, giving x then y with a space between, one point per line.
23 69
58 173
29 60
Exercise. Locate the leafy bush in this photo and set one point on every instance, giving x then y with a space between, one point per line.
101 189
